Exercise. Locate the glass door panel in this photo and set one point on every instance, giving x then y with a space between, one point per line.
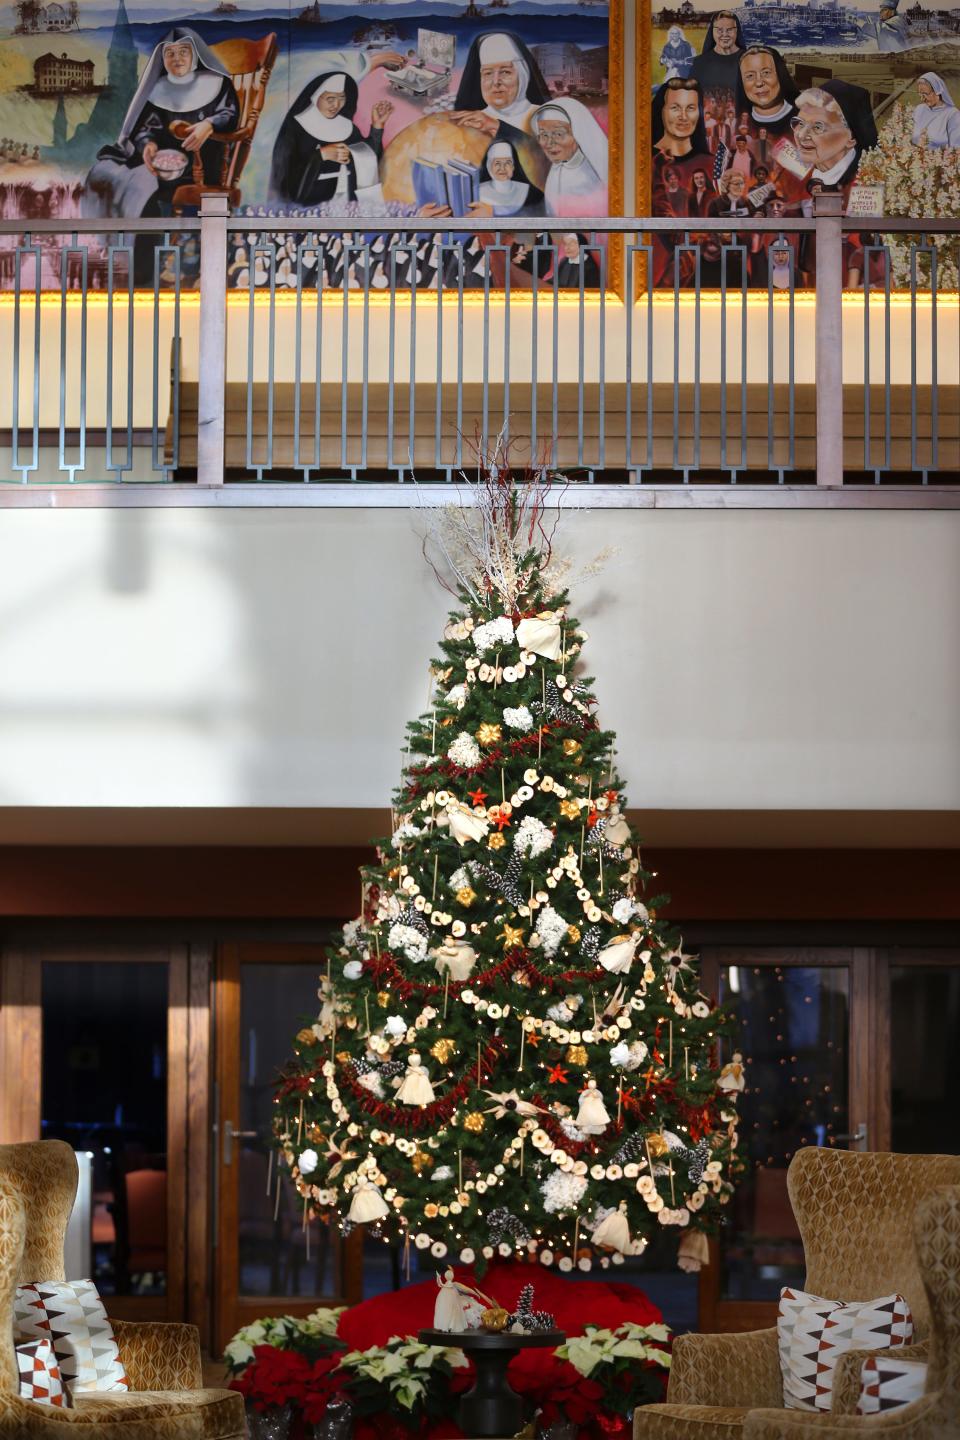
795 1033
104 1091
924 1031
266 1261
275 999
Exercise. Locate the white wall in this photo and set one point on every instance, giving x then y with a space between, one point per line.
756 660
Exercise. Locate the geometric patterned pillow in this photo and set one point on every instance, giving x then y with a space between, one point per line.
813 1333
71 1315
887 1384
40 1378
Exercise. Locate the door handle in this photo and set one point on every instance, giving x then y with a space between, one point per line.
859 1136
229 1135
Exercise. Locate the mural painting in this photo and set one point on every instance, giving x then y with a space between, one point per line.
398 108
758 108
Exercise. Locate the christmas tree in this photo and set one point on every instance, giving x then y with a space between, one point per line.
512 1056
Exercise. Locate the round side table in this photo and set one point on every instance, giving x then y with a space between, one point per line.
491 1408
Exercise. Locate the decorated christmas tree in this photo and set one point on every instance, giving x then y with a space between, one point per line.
512 1055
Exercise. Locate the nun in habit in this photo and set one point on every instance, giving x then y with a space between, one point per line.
936 120
320 156
717 64
576 145
500 88
766 91
504 187
185 96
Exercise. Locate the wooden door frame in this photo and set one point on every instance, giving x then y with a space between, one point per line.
226 1031
187 1122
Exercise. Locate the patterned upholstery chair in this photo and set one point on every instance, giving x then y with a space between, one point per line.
38 1182
855 1213
936 1416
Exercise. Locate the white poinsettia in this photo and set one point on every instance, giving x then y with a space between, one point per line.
552 929
518 718
405 832
532 837
464 751
408 941
395 1026
307 1162
494 632
562 1192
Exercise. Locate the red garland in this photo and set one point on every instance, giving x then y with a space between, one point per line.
492 758
384 967
408 1117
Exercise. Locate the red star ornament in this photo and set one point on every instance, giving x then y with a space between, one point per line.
476 797
557 1076
501 821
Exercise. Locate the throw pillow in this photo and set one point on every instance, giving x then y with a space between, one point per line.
886 1384
71 1316
813 1333
40 1377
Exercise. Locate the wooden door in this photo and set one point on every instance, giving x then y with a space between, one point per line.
104 1046
266 1260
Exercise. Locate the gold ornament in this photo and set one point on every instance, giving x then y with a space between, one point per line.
466 897
494 1320
442 1050
657 1145
474 1121
420 1160
383 998
569 809
511 936
576 1055
571 747
489 734
573 934
305 1036
496 841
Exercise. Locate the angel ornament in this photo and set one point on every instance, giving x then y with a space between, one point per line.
415 1087
592 1117
367 1204
458 1307
732 1076
613 1232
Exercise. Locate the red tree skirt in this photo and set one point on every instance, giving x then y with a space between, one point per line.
575 1304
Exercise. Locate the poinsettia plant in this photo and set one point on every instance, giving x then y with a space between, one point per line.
404 1379
604 1375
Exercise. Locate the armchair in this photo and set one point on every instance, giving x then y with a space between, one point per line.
855 1213
38 1182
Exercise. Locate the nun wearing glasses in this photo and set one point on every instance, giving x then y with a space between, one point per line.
184 98
320 157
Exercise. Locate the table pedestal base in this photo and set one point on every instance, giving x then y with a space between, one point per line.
492 1407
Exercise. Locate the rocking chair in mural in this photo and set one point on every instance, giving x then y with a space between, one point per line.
249 64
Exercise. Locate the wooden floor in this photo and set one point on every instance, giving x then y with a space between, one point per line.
359 429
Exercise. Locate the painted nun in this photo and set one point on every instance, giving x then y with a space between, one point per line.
500 88
576 145
320 157
936 120
504 187
185 96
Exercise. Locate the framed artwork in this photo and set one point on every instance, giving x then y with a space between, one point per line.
396 108
755 109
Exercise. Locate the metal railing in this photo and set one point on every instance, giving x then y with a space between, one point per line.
630 351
